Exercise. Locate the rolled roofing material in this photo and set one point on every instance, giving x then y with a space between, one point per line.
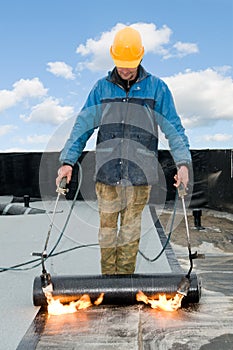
14 209
117 289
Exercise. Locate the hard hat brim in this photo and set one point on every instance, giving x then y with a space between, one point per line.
126 64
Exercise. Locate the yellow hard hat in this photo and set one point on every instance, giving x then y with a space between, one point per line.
127 50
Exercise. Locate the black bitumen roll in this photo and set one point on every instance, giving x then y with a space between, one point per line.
14 209
117 289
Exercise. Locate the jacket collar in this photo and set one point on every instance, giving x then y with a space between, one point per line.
114 78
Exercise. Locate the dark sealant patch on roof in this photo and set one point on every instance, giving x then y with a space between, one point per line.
33 334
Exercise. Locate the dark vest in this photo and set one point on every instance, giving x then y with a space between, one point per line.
127 141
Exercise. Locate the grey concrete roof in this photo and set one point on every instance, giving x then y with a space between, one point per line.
103 327
23 234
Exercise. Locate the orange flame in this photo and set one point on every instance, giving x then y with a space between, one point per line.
99 299
55 307
162 303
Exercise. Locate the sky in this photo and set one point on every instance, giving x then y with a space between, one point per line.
53 51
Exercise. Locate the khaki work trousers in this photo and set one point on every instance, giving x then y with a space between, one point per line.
120 211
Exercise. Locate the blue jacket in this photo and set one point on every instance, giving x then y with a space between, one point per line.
127 140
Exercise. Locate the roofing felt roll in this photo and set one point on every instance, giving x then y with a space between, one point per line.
117 289
14 209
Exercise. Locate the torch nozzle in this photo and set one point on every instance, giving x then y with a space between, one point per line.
182 191
43 255
183 286
62 189
46 282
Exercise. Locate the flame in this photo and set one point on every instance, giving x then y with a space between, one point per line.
99 299
55 307
162 303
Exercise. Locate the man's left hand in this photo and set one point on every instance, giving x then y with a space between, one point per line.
182 176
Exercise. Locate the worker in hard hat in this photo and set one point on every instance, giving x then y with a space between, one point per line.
126 106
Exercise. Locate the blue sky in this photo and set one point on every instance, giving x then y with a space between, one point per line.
53 51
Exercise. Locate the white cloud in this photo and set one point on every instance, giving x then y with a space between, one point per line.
50 112
182 49
218 137
203 97
98 50
22 90
35 139
6 129
155 40
223 69
15 149
61 69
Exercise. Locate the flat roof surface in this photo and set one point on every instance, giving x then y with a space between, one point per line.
206 325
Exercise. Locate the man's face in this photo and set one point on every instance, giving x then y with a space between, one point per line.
127 73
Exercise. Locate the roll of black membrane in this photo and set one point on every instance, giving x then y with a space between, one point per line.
14 209
117 289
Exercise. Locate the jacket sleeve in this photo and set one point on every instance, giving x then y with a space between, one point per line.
85 124
170 124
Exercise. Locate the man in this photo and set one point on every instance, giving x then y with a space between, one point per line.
127 106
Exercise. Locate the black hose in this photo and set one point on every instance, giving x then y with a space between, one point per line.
158 226
155 219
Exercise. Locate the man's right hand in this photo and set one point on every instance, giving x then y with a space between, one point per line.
64 171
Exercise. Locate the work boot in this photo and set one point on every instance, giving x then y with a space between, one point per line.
126 258
108 260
